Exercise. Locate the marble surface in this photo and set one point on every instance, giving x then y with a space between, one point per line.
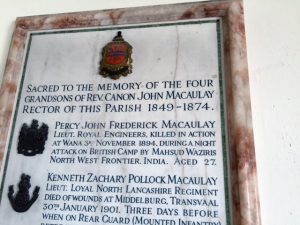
190 57
239 126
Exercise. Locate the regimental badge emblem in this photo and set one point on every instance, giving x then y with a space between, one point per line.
21 202
32 138
116 58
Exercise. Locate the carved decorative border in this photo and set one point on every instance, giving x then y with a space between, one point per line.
243 177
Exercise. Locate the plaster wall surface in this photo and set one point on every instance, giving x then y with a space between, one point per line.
273 34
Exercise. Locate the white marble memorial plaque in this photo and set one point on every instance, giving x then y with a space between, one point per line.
148 148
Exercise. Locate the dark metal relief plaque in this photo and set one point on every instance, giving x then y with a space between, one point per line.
129 117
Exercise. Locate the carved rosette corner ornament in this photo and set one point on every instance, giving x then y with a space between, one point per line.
116 58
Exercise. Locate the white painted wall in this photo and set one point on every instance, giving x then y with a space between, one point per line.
273 38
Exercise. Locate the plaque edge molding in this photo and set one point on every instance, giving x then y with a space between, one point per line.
243 173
